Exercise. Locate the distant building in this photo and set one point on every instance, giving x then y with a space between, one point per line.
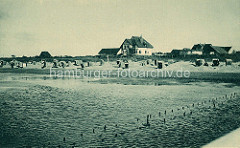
136 46
45 54
175 52
215 50
208 49
180 52
158 54
186 51
110 51
237 53
197 49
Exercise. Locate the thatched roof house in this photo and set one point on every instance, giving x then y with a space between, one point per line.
215 50
208 49
45 54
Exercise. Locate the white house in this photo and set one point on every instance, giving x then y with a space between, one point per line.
136 46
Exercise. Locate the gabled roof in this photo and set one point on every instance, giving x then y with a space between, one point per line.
109 51
140 42
199 47
45 54
226 48
218 49
221 50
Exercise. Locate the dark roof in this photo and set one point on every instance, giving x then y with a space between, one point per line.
45 54
221 50
225 48
186 49
140 42
109 51
176 51
199 47
218 49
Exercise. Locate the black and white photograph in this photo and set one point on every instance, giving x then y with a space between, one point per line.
119 73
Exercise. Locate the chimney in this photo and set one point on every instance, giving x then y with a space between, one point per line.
141 39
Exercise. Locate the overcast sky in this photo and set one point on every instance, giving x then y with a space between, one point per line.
83 27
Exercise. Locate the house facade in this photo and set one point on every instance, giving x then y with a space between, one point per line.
136 46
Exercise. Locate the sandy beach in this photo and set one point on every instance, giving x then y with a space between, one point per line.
119 73
42 111
230 73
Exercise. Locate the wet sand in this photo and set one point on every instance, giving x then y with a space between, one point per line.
231 77
40 111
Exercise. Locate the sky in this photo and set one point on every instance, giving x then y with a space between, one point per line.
84 27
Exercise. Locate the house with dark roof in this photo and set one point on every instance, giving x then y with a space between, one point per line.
197 49
136 46
208 49
110 51
215 50
45 54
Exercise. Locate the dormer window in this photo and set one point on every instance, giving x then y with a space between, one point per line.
145 44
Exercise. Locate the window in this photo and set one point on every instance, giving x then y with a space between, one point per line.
145 44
